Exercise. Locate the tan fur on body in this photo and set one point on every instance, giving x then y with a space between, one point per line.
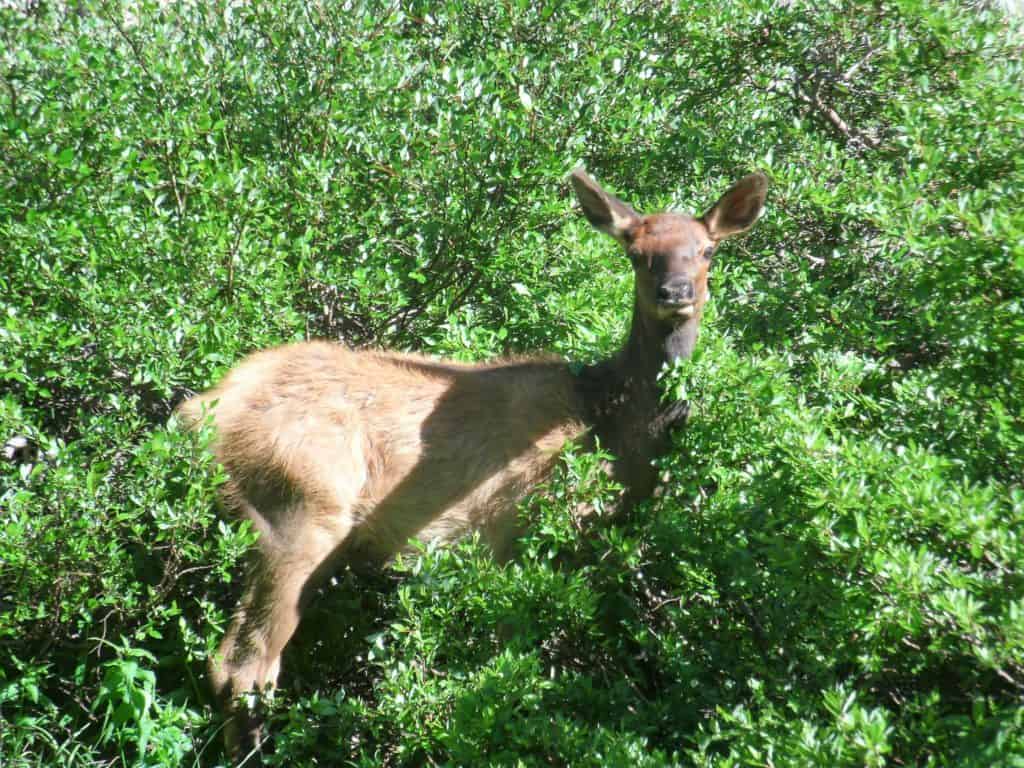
343 456
397 446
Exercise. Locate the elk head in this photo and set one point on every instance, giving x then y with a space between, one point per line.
671 254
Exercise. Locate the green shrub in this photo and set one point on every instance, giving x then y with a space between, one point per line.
832 576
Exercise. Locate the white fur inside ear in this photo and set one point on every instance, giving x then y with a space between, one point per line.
739 208
603 210
621 226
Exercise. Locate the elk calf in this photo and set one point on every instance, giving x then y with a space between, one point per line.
337 455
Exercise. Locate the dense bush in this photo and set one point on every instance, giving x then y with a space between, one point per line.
833 576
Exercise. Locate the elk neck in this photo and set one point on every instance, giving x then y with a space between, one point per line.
652 343
621 395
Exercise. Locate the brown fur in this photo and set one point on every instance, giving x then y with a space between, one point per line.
341 455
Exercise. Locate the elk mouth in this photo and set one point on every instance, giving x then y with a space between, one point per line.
676 309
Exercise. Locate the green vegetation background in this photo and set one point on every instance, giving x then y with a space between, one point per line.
836 575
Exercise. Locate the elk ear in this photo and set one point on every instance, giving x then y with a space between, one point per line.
606 212
738 209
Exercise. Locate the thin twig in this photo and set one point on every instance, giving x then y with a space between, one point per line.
813 98
858 64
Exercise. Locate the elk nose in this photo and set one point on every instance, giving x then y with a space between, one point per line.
676 291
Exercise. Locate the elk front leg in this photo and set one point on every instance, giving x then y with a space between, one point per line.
669 417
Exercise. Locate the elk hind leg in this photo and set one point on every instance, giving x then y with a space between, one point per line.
279 583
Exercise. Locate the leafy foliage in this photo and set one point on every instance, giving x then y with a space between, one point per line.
832 576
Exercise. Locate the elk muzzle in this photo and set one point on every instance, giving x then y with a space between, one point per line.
677 298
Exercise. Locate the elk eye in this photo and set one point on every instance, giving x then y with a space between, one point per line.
708 251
